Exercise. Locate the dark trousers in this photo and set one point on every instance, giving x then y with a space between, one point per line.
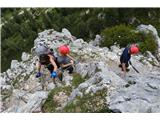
50 68
126 64
69 68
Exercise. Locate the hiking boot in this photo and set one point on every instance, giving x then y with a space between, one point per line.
127 70
120 65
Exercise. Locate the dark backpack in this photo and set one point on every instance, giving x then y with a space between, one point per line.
44 59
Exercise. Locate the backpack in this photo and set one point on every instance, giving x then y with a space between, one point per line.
41 48
44 59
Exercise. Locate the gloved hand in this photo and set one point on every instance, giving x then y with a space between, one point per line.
38 74
53 74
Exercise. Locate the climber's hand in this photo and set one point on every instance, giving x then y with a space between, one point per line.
72 62
39 74
53 74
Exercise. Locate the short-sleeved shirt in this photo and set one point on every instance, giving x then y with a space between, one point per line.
63 60
125 57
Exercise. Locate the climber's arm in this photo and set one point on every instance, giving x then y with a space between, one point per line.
70 57
53 62
38 66
66 65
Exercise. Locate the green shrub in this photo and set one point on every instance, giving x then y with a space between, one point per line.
89 103
79 22
120 34
148 43
77 79
50 105
124 35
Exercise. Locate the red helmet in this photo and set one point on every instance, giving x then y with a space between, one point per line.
64 49
134 49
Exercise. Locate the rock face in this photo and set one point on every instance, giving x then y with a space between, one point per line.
152 29
25 56
96 41
140 94
98 85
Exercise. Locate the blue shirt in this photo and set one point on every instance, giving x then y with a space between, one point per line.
125 57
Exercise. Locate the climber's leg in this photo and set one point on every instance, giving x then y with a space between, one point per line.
51 68
69 68
60 75
127 65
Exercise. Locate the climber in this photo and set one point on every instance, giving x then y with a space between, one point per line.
47 59
65 61
126 56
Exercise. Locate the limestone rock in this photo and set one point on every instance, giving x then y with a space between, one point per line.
25 56
14 64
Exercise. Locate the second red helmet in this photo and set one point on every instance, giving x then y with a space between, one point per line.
64 49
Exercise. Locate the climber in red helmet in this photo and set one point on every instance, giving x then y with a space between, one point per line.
64 49
65 61
126 56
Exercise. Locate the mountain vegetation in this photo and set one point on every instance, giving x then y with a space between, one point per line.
20 26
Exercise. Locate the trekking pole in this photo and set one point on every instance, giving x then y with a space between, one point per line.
42 82
133 67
